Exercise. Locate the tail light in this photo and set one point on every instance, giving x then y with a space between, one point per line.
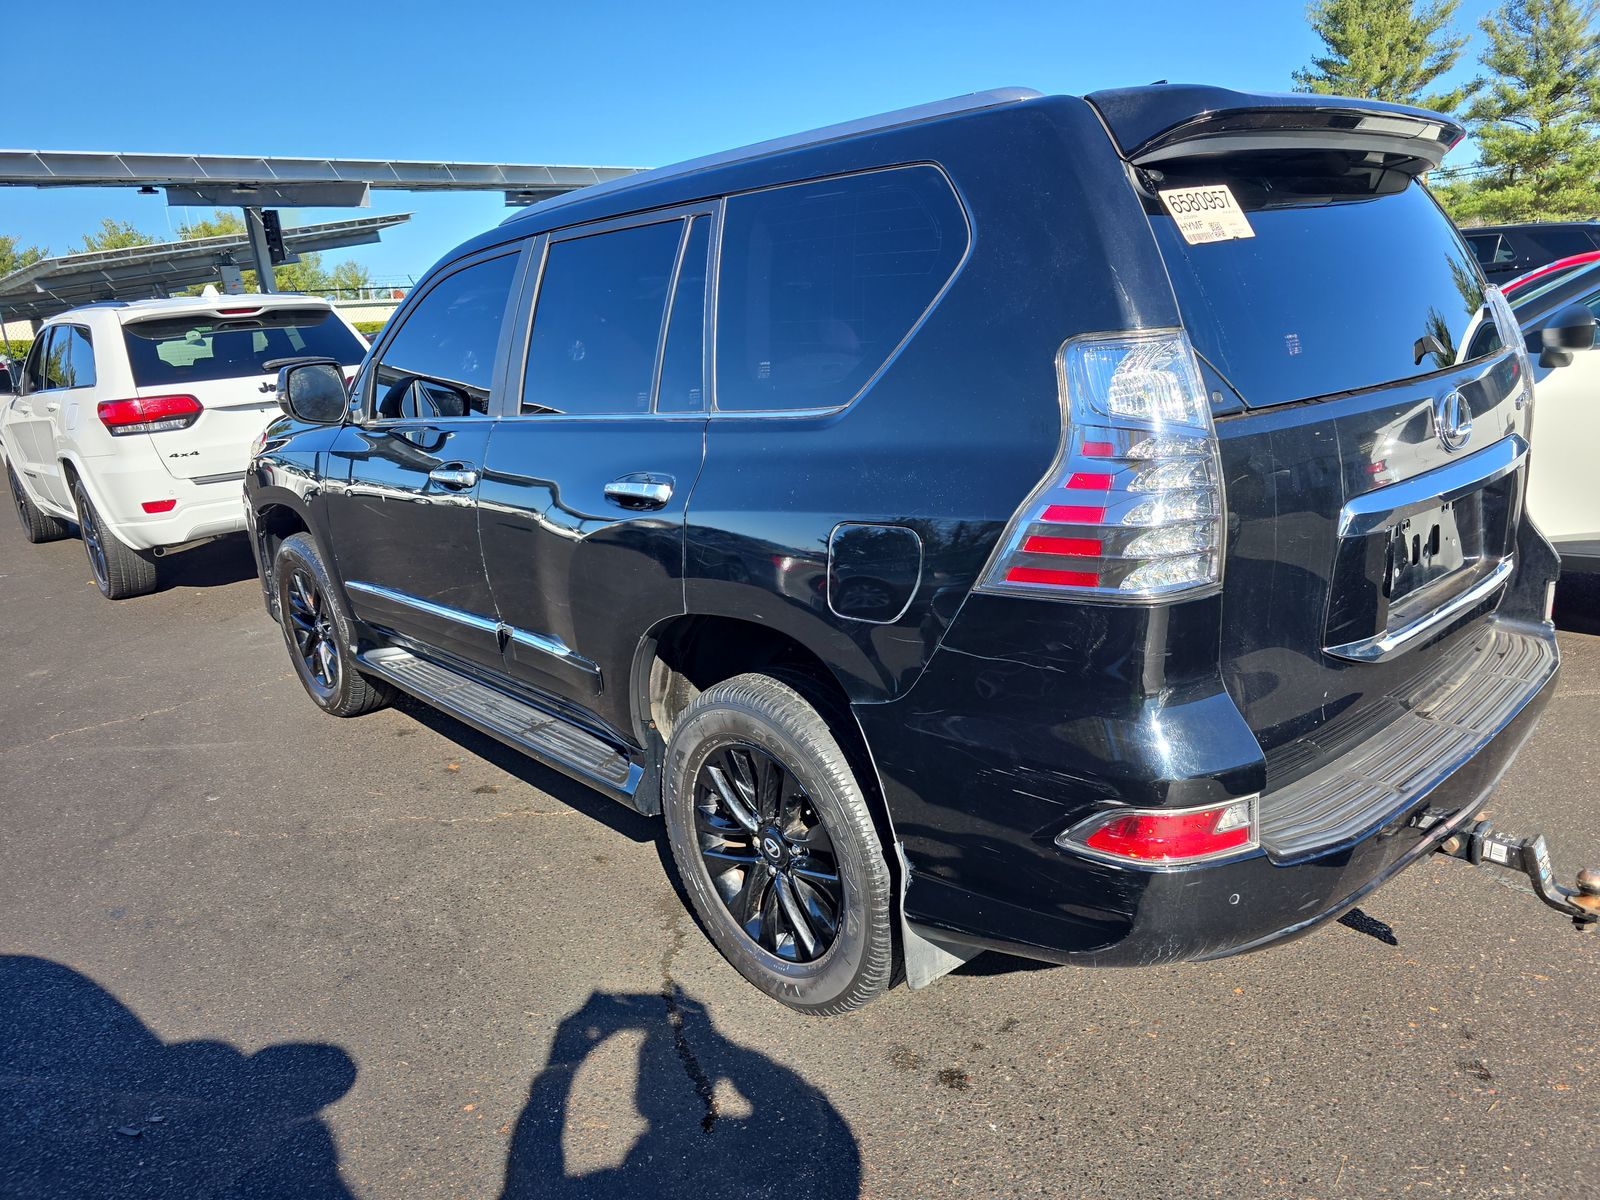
1133 507
1166 837
149 414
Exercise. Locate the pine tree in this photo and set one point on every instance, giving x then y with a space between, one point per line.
1536 118
115 235
14 255
1384 50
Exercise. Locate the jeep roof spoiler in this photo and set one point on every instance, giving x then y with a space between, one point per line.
1162 122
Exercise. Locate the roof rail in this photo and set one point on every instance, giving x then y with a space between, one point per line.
970 102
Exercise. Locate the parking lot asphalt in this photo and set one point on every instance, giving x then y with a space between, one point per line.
251 950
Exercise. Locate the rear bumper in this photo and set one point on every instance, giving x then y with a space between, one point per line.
201 510
978 833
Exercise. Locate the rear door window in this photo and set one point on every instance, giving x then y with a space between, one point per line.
821 282
58 359
1344 285
682 386
597 321
1551 244
173 351
79 356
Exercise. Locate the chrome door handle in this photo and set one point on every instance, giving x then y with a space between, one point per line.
640 491
459 478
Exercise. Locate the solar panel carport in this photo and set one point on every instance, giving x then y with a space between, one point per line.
54 285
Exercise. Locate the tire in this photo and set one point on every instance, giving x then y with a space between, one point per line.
119 571
317 631
820 948
37 525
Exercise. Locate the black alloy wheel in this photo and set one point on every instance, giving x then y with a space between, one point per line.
94 544
768 853
779 857
318 632
311 625
119 570
37 526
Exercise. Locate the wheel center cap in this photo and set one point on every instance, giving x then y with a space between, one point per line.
771 845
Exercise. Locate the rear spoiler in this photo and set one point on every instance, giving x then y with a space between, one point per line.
1163 122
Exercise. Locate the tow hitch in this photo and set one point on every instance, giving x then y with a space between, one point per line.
1484 846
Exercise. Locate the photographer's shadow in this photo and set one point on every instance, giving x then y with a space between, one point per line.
94 1104
718 1119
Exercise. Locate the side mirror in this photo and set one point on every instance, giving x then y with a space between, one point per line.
314 392
1570 329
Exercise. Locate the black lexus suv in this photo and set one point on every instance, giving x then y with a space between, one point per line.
1063 525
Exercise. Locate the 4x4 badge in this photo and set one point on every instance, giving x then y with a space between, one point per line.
1452 420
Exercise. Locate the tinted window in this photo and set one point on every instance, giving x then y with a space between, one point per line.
79 356
192 349
1551 244
441 361
1490 248
683 361
1341 288
821 282
598 321
33 369
6 384
58 360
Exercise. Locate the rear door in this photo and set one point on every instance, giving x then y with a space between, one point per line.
220 358
585 487
1374 477
403 483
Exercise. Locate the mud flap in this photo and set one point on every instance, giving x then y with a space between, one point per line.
926 960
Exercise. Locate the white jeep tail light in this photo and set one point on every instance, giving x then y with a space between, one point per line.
1166 837
148 414
1132 508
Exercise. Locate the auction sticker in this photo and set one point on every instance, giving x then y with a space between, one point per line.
1207 214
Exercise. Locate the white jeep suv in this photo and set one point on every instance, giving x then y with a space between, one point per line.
135 420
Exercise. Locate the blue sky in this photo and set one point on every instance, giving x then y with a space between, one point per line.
604 82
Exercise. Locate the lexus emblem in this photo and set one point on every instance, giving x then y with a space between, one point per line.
771 847
1452 420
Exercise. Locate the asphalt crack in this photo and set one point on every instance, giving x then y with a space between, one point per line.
672 995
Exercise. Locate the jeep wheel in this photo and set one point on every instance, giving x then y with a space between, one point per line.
776 848
119 570
37 526
317 632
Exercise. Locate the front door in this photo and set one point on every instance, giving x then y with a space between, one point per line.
584 490
58 355
403 483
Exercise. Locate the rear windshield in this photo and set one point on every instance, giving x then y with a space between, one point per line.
178 350
1351 280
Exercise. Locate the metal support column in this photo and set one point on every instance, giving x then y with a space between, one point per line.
266 279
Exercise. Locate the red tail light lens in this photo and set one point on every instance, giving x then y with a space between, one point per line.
149 414
159 506
1134 503
1166 837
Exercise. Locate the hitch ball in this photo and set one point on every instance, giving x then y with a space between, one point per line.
1587 897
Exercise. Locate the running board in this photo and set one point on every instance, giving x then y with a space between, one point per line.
521 726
